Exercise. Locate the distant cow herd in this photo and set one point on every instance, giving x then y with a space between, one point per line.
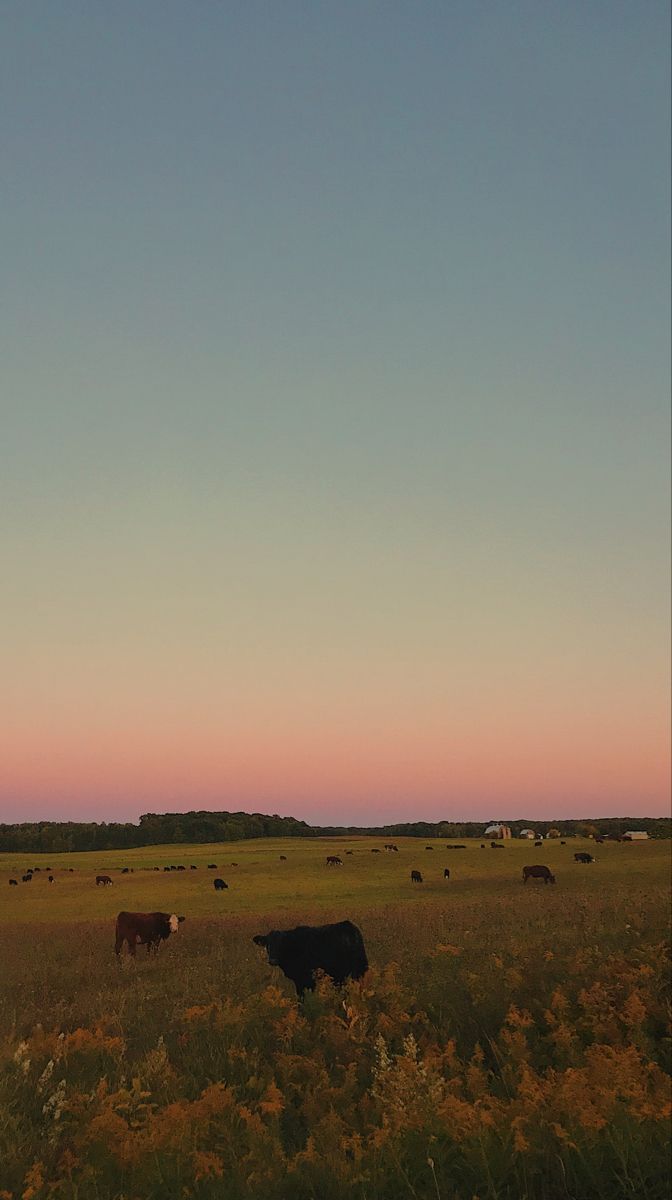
335 949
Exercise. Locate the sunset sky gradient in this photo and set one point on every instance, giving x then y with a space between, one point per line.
335 430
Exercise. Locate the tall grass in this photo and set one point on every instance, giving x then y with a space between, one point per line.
509 1045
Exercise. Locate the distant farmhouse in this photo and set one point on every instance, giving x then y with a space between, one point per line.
498 831
636 835
528 833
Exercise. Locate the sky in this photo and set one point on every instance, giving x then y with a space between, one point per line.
334 361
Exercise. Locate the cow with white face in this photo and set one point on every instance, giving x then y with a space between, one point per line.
147 929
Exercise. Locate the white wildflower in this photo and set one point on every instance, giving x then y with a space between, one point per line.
45 1076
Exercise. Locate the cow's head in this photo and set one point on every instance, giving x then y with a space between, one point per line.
174 923
271 942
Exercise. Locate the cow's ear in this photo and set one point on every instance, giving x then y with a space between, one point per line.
181 919
260 940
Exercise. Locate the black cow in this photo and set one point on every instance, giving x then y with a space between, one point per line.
538 843
375 851
349 852
51 879
13 883
416 877
283 858
337 949
192 868
37 868
457 846
538 872
563 843
212 866
26 878
219 885
104 879
124 870
582 857
446 873
173 868
429 847
482 845
334 861
234 864
496 846
181 868
149 929
71 870
156 868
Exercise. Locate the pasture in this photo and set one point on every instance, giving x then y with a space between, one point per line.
509 1041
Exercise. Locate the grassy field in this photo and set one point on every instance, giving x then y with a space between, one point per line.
508 1041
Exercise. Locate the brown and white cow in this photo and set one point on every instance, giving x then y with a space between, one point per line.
147 929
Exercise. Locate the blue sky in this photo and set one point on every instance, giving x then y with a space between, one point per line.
336 361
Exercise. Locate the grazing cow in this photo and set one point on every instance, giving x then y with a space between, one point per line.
173 868
458 846
429 847
181 868
71 870
147 929
192 868
124 870
496 846
104 879
538 843
349 852
538 872
13 883
446 873
51 879
582 857
416 877
166 868
334 861
37 868
283 858
482 845
26 878
234 864
212 866
156 868
563 843
219 885
375 851
337 949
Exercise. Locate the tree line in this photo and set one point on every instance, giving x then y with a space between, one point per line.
200 827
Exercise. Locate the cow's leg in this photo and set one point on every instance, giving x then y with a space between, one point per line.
130 941
118 943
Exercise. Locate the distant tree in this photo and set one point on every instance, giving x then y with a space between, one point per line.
554 833
587 830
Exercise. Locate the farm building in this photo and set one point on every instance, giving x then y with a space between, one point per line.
637 835
498 831
528 833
